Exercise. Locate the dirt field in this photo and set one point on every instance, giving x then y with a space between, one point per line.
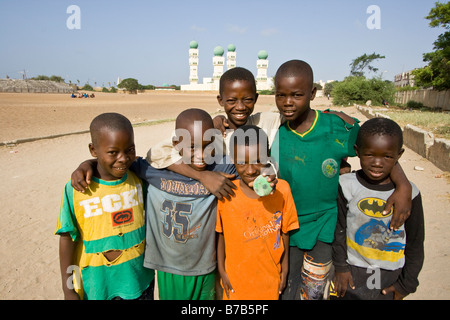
35 172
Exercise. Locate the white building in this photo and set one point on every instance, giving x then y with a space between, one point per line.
231 56
218 63
262 83
193 62
212 83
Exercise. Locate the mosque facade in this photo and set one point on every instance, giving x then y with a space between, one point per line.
212 84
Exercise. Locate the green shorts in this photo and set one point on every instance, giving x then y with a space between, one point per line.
319 226
176 287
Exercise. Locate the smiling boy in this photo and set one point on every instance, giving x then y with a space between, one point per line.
102 231
253 239
364 241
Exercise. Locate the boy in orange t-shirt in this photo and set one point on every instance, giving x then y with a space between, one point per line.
253 231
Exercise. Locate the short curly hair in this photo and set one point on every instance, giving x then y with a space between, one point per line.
379 126
237 73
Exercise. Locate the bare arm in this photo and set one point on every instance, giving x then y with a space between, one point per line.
218 183
400 199
221 264
66 254
81 177
284 262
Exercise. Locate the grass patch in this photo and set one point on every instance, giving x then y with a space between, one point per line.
436 122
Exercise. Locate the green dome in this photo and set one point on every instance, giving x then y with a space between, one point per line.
262 54
231 48
218 51
193 44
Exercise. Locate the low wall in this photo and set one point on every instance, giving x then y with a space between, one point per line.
424 143
429 98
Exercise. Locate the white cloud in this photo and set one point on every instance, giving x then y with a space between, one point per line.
269 32
197 28
237 29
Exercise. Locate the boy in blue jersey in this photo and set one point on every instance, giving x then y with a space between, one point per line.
181 214
102 231
364 247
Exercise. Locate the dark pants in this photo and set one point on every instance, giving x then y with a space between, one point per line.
369 283
308 272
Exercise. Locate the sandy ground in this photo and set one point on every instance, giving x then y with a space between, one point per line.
34 174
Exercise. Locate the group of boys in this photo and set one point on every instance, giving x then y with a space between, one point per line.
123 217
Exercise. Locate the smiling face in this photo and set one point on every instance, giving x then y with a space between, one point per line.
248 163
293 95
115 152
192 141
238 99
378 155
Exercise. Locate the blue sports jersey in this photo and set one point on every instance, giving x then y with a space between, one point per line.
181 220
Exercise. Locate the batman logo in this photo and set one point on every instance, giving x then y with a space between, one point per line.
373 207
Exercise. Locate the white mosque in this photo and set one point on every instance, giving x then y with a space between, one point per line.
212 84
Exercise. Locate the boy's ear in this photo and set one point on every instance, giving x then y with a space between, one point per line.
313 93
400 153
219 99
356 150
256 97
92 150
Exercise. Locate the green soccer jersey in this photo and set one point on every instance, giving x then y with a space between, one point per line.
310 162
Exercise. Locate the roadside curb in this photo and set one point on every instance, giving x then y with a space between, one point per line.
32 139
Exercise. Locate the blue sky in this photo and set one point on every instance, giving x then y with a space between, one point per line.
149 40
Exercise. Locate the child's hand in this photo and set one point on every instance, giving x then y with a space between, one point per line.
401 200
71 295
270 178
282 283
81 177
226 284
341 281
221 123
219 184
397 295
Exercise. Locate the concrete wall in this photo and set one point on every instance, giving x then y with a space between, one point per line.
429 98
34 86
424 143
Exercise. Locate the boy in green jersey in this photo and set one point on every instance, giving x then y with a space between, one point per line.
309 148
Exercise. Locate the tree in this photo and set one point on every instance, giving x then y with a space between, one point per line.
437 73
129 84
359 64
359 89
329 87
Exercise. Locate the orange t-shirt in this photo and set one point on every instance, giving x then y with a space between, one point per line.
253 243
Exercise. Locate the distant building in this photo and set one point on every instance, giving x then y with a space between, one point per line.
231 56
209 84
262 64
404 79
212 83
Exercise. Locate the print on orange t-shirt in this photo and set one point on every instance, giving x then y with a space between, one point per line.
253 244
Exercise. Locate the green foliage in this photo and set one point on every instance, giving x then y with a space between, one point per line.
359 89
329 87
52 78
267 92
414 105
87 87
129 84
437 73
363 62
